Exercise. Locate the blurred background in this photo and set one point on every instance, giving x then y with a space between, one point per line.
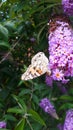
23 33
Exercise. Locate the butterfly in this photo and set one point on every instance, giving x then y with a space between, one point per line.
39 66
57 20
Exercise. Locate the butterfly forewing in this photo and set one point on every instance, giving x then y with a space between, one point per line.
39 66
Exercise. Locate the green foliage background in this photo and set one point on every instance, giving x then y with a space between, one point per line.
20 21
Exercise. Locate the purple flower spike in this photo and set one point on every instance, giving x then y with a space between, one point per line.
2 124
68 125
46 105
68 7
60 42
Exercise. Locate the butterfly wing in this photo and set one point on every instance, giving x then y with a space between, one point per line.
29 74
39 66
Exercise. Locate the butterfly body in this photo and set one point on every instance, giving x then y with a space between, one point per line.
38 67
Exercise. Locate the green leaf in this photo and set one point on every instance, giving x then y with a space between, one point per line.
36 117
66 97
71 91
25 91
3 129
20 125
5 44
35 99
10 117
3 32
49 6
21 103
66 106
40 32
15 110
9 25
55 1
50 1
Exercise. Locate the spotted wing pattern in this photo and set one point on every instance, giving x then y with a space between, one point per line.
39 66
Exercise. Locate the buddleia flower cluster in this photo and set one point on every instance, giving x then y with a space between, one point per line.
68 7
48 107
68 124
60 49
60 42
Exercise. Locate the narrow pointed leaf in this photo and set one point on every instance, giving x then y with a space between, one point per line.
36 117
15 110
3 32
4 44
20 125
